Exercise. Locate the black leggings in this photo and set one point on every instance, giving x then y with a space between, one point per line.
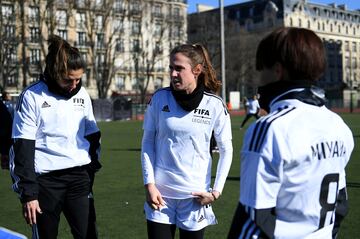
167 231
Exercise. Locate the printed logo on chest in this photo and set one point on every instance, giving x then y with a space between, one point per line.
201 116
79 103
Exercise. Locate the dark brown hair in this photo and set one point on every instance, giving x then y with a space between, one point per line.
300 51
199 55
62 58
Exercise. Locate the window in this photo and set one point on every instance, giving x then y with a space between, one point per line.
34 14
11 80
120 45
80 20
117 25
34 56
136 45
11 55
176 12
61 18
62 33
100 59
7 11
353 62
81 41
134 83
98 3
346 46
158 27
100 40
135 7
157 10
8 32
120 82
353 46
80 3
84 56
118 5
99 22
176 31
135 29
300 23
34 34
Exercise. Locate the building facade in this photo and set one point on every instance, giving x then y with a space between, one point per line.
126 43
247 23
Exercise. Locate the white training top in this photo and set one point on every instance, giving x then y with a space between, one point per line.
58 126
294 160
253 106
179 161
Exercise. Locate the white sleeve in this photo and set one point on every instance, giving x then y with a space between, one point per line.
224 164
90 123
25 118
223 137
148 156
150 116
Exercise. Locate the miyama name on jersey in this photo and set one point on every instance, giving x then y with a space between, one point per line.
58 125
293 160
182 151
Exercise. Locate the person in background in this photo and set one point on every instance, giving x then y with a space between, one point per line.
56 145
5 135
6 99
252 109
176 160
293 159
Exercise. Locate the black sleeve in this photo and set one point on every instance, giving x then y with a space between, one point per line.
342 208
94 151
262 220
23 170
5 129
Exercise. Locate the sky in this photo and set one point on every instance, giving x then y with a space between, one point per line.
351 4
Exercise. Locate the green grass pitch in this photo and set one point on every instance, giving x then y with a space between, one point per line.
119 193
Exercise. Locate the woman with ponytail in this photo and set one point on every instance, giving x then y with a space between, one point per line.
56 145
176 160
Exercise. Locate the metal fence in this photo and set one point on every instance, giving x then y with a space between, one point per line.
124 109
118 109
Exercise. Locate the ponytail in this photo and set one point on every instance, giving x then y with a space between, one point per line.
199 55
61 58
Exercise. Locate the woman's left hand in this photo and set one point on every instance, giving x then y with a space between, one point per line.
205 198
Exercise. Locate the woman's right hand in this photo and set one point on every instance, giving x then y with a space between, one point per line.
30 209
153 197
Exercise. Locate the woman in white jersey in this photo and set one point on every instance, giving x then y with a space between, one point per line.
176 159
292 181
56 146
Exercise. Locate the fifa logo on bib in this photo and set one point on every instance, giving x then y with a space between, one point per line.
201 116
202 112
79 103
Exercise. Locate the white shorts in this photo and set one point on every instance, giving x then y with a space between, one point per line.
186 214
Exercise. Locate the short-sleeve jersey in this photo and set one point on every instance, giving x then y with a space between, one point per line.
294 160
182 149
57 124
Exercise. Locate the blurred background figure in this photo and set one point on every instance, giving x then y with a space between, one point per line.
252 109
5 134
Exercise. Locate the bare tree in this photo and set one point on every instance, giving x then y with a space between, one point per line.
104 29
149 50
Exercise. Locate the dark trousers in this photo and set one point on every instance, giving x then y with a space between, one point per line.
167 231
92 232
247 117
63 191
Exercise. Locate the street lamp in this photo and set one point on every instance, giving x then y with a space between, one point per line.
222 44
